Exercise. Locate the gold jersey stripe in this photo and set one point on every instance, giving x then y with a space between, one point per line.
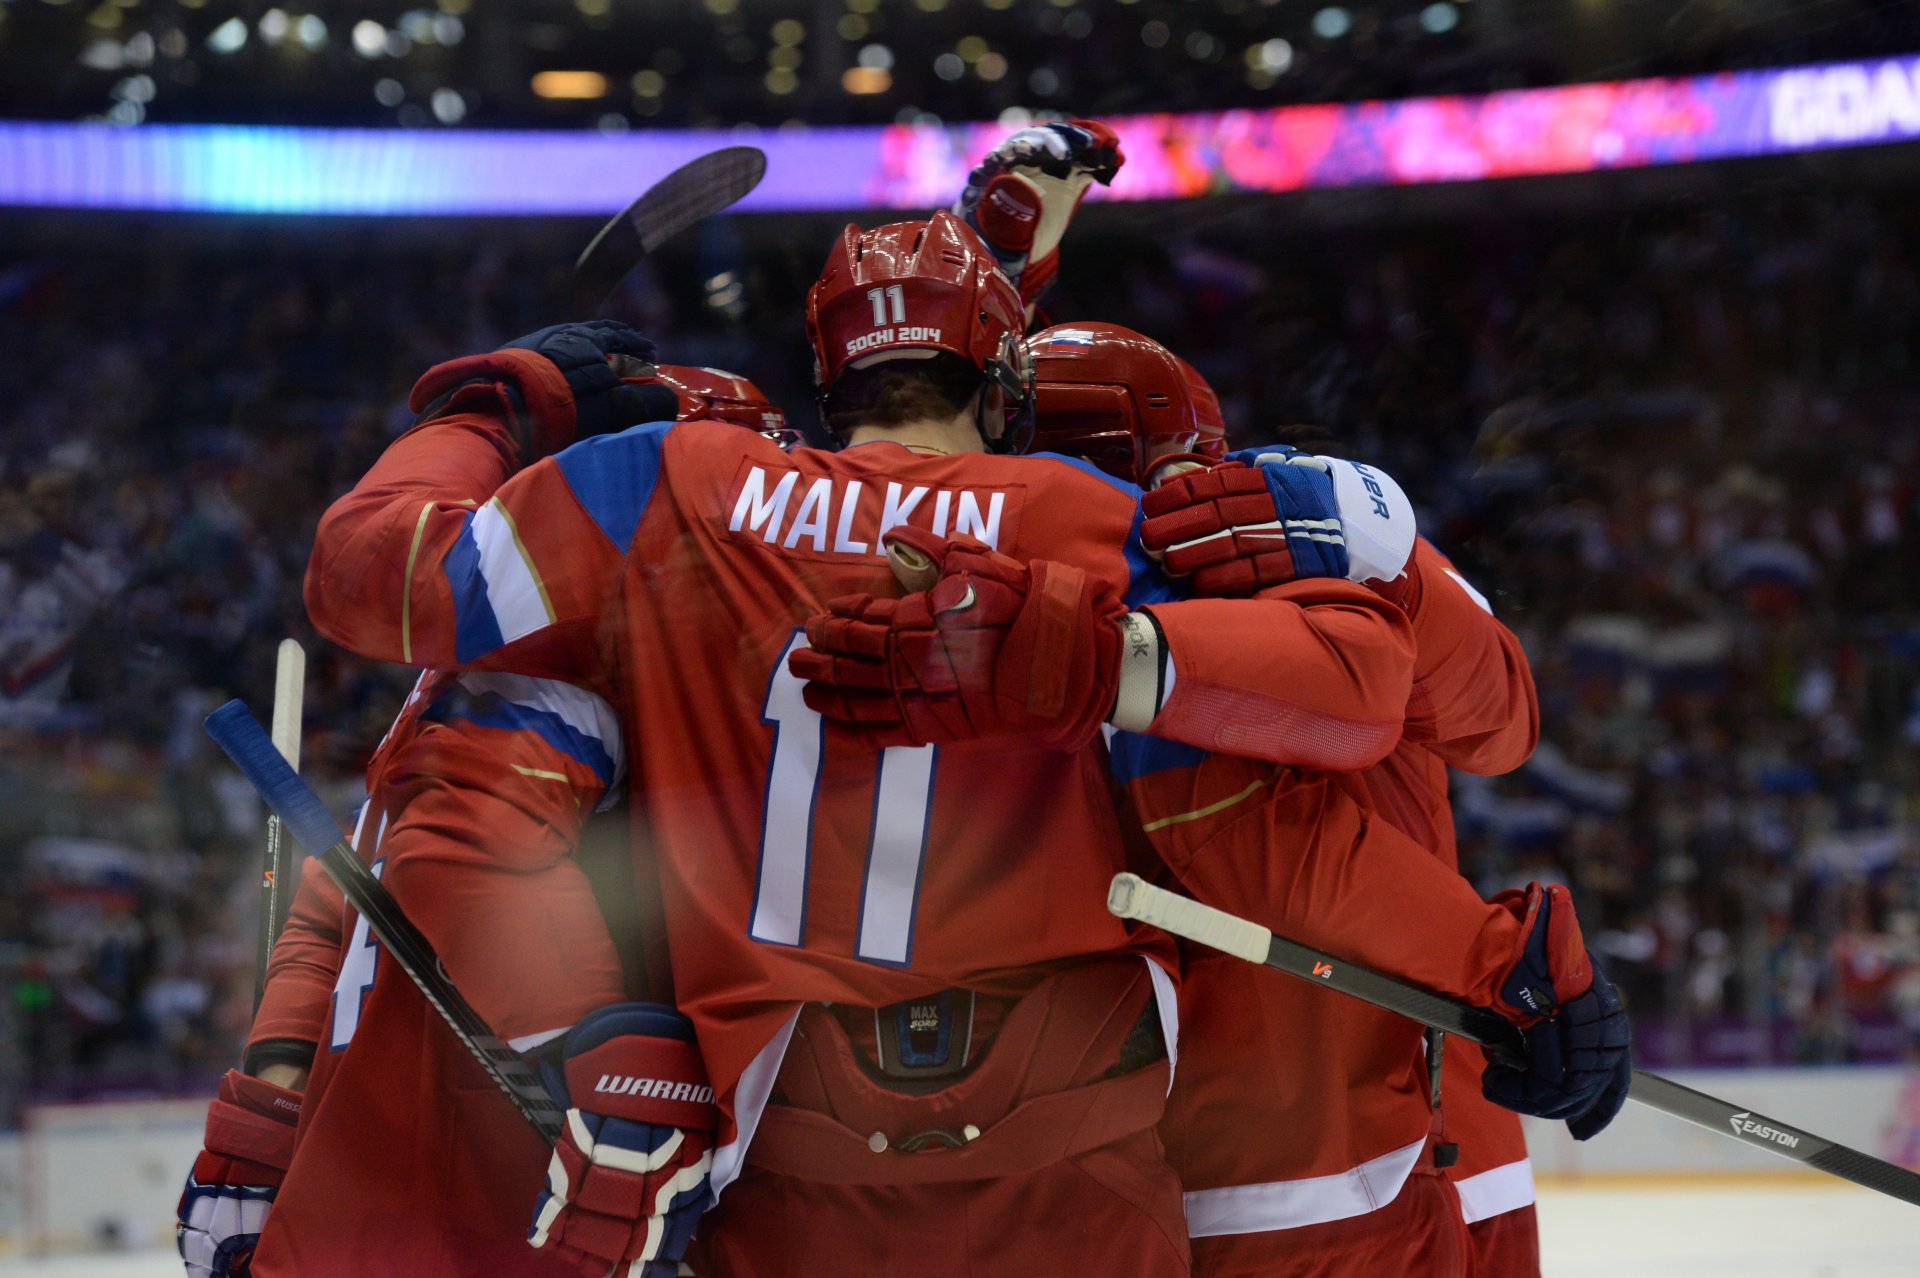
1207 811
543 774
406 586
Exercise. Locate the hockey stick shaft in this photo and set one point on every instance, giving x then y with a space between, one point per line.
289 696
1132 897
238 733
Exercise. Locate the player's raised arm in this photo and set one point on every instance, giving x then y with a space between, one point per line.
1023 193
399 568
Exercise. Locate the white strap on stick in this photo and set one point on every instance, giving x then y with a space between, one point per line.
1132 897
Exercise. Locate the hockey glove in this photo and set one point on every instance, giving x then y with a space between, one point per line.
994 648
1020 198
630 1175
557 382
1269 516
1579 1061
249 1143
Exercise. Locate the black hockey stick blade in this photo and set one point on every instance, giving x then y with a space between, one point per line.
237 732
1132 897
696 190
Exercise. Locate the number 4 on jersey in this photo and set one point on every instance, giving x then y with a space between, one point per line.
903 799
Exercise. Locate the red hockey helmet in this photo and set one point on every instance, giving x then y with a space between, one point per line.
902 290
1206 413
710 394
1119 399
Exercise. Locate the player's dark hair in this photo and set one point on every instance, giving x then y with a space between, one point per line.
898 391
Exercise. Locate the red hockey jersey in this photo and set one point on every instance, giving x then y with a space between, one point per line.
672 567
408 1158
1337 1090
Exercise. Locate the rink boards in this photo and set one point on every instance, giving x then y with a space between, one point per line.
92 1176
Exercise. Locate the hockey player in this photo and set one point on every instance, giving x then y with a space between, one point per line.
1122 401
1330 1205
1106 394
475 801
794 859
1358 1081
407 1158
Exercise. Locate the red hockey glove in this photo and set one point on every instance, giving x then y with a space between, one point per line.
1579 1058
995 648
1237 528
1020 198
630 1176
554 386
1267 516
249 1143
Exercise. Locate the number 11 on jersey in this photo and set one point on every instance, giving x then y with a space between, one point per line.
896 851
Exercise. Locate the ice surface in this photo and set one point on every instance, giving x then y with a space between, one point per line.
1664 1229
1753 1229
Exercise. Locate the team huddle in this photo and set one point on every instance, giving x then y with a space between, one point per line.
887 718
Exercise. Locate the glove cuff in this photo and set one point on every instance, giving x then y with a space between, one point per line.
1143 673
1553 968
1064 598
550 421
638 1061
1376 518
253 1120
1008 214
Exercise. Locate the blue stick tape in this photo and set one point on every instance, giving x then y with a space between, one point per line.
237 732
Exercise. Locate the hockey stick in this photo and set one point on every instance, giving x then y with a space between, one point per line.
247 744
1132 897
289 694
697 189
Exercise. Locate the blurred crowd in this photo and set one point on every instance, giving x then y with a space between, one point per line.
1677 449
718 63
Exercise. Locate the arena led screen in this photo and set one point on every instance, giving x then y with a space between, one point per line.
1569 129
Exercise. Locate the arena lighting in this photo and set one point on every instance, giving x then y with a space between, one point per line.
919 165
569 84
866 79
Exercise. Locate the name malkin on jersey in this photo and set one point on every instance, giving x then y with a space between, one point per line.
837 515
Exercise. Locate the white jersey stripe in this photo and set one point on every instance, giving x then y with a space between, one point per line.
1167 1003
750 1096
1506 1188
1289 1204
584 712
513 591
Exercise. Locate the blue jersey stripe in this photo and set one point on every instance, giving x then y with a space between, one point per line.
476 631
1146 584
491 710
1133 755
614 475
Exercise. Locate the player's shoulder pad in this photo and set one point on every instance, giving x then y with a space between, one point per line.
1082 481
